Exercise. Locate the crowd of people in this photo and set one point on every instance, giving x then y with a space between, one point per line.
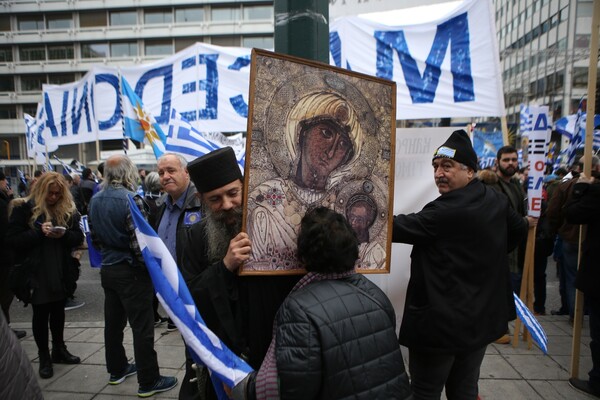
333 336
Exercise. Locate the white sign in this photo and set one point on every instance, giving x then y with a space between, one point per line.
536 155
449 67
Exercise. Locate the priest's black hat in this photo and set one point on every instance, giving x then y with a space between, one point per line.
458 147
214 170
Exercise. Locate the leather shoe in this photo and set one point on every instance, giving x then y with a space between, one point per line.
46 370
60 355
19 334
583 386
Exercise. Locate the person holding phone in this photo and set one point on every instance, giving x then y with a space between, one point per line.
42 231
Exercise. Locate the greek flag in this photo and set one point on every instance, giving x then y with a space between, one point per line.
204 346
532 324
138 122
186 140
66 168
526 120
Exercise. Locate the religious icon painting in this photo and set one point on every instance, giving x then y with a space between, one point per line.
318 135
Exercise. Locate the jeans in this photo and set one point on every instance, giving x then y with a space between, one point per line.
569 272
128 295
459 373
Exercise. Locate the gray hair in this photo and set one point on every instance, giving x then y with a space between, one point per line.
153 182
119 169
182 161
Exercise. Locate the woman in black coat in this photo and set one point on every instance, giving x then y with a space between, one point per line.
42 232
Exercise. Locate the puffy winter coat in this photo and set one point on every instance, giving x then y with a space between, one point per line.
336 339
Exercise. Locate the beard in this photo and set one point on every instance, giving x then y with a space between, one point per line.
220 228
508 172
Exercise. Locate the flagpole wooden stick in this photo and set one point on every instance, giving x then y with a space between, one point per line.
587 169
526 296
530 257
504 124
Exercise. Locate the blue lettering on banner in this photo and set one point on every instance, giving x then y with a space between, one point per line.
76 110
113 81
335 46
167 73
541 123
210 85
531 185
237 102
422 88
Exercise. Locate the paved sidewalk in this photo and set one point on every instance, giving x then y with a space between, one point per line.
507 372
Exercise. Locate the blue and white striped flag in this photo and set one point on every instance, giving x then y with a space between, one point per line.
526 120
204 346
186 140
138 123
532 324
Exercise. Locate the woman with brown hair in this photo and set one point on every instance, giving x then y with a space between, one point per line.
42 231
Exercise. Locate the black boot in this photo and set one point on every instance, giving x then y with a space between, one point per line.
46 370
60 355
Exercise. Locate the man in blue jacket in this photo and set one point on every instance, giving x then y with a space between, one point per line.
458 298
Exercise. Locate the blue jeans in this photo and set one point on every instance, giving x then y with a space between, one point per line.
568 270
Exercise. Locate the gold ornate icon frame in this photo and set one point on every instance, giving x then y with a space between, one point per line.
318 135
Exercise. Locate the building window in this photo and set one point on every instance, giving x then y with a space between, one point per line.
182 43
61 52
225 40
224 14
7 83
582 41
32 53
94 50
5 22
30 109
59 21
92 19
261 42
30 83
60 79
580 77
189 14
125 49
164 16
6 54
258 13
158 47
8 112
585 9
120 18
31 23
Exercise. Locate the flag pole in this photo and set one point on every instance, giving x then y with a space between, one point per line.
587 169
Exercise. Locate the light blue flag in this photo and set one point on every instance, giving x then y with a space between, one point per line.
532 324
204 346
138 122
526 119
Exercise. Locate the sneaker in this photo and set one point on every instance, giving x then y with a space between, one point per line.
583 386
163 384
159 321
71 304
116 379
171 327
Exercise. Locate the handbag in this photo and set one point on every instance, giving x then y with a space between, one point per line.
21 281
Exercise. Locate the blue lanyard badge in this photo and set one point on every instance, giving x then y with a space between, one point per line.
191 217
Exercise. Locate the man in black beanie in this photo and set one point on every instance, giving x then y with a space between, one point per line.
459 278
214 250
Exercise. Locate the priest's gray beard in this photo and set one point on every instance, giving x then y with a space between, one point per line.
221 227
